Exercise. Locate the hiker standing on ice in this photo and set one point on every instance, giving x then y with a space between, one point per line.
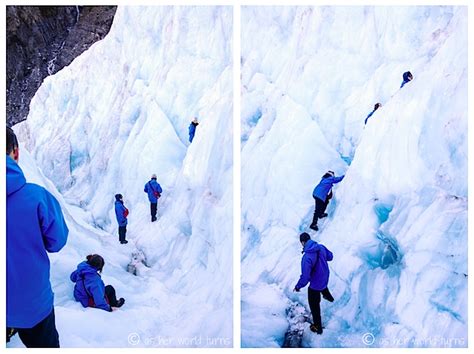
407 77
35 226
121 213
192 129
89 289
322 193
377 106
315 270
153 189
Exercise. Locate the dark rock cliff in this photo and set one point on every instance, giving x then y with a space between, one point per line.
41 40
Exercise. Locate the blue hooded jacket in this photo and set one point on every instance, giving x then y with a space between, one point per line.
314 266
192 131
405 78
322 189
150 187
35 226
89 284
120 213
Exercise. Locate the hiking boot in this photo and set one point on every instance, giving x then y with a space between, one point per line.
314 227
120 302
323 215
124 242
153 218
316 329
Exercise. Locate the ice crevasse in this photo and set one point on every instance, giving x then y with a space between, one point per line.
397 224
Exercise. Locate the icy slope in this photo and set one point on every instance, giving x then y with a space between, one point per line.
398 222
102 126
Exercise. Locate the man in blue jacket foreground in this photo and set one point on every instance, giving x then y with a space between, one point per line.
322 193
35 226
315 270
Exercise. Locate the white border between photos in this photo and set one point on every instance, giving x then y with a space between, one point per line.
236 168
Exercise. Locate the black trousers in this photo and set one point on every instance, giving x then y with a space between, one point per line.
43 335
314 300
122 231
110 294
320 207
153 207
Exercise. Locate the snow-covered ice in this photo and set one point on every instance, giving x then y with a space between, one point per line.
102 126
397 224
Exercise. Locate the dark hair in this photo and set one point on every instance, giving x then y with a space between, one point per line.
12 141
118 197
377 105
96 261
304 237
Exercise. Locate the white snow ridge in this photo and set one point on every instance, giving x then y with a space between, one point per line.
397 224
102 126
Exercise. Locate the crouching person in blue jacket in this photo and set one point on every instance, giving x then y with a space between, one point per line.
35 227
315 270
89 289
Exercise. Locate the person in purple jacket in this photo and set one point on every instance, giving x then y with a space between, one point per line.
322 193
89 289
315 270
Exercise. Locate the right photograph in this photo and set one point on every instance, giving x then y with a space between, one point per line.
354 189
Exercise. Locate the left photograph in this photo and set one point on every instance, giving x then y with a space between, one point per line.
119 176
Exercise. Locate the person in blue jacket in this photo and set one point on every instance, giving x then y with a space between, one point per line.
121 213
192 129
153 189
35 226
89 289
407 77
377 106
321 194
315 270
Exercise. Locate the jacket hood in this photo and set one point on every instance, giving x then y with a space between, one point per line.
15 178
311 247
83 269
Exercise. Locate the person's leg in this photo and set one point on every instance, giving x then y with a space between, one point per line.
327 295
314 300
121 231
320 207
43 335
314 223
110 294
323 213
153 207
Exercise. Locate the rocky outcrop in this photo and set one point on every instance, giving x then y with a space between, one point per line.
41 40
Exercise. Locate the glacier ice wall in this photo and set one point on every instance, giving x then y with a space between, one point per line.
102 126
398 222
